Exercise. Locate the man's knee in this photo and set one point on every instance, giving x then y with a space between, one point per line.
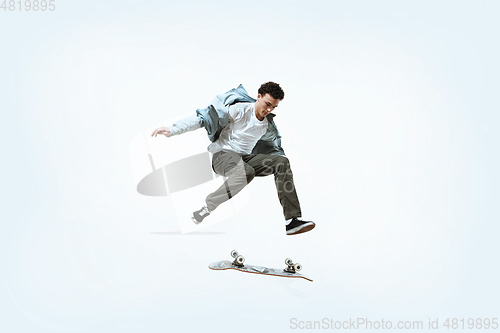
282 160
282 164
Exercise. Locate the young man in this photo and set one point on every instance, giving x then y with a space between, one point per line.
245 144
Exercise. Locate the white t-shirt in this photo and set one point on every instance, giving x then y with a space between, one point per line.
242 132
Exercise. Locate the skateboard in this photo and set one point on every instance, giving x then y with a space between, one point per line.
290 271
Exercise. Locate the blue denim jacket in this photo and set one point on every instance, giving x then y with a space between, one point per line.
215 117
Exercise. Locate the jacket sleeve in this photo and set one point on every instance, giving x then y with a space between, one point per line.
188 124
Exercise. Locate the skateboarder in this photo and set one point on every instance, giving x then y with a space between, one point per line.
245 144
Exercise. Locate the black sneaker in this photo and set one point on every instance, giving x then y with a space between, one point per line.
297 226
199 215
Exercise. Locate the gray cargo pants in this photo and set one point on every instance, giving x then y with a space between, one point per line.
240 169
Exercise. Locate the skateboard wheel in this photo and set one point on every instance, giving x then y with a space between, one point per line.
240 260
297 267
288 262
234 253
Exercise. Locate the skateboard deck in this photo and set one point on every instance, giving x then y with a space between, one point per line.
237 264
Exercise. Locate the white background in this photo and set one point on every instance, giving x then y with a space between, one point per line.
390 121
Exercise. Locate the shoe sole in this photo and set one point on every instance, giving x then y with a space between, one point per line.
301 229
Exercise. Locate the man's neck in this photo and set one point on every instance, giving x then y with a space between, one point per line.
256 114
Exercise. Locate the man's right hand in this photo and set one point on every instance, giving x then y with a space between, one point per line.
162 130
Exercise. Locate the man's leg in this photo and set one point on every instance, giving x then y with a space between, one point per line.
239 174
279 166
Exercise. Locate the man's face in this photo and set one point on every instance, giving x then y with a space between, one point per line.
265 105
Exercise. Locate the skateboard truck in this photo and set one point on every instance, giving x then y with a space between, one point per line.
291 267
291 271
238 259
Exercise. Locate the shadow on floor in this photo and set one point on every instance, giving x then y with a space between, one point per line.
187 234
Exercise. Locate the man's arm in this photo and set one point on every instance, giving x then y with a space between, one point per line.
188 124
